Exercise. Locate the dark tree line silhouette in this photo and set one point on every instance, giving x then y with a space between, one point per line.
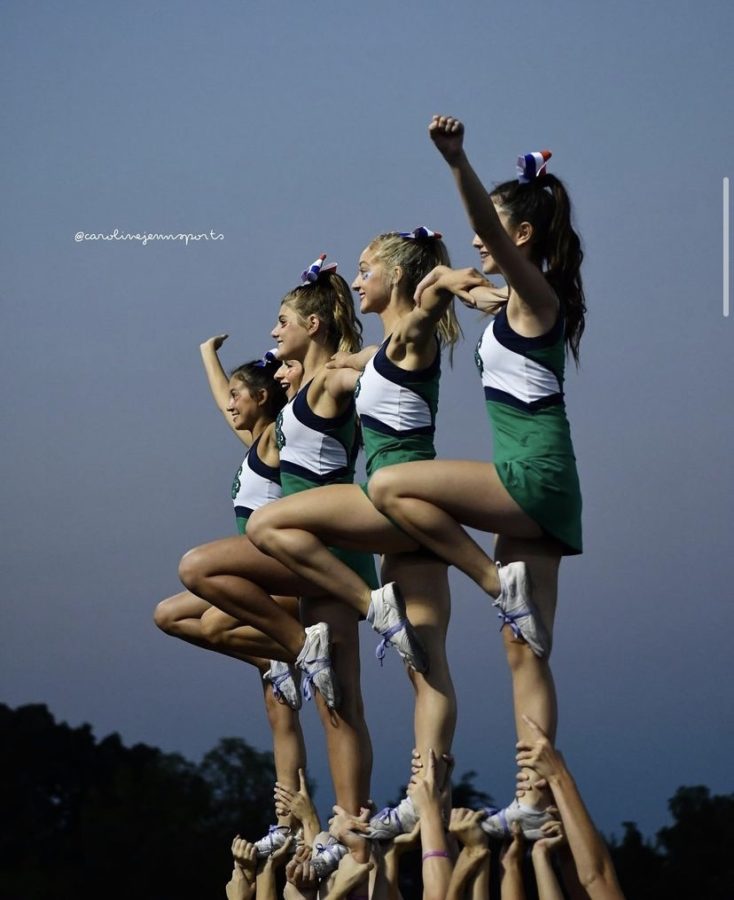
87 818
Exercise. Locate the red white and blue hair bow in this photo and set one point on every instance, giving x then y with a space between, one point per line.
270 356
311 274
530 166
420 232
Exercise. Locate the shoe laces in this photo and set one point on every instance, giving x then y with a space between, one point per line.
386 636
313 668
276 681
511 620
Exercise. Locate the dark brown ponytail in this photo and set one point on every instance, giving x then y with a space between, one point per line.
556 248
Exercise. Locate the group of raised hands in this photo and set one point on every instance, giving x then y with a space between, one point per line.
456 852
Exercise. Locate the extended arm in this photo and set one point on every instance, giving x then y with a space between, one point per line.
593 862
521 274
218 381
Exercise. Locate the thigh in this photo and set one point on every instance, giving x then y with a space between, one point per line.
237 556
183 606
340 515
470 492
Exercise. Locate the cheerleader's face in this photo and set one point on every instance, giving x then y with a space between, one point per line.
371 283
242 406
488 265
289 376
291 334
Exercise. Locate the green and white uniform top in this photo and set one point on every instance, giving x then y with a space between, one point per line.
314 452
533 452
254 485
397 410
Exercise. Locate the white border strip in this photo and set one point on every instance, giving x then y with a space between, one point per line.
726 247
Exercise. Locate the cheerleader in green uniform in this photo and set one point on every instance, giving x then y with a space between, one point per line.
529 496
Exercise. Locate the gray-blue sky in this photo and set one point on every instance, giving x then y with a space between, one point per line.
295 128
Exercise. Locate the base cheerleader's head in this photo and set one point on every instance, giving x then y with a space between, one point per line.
326 295
410 256
538 203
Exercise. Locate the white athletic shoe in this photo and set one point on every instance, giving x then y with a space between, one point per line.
498 822
314 661
394 820
326 857
286 682
517 610
387 616
275 838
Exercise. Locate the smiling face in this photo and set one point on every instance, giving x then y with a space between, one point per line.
243 405
291 334
371 283
289 377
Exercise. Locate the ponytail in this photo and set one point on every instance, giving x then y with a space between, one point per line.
555 247
329 298
417 255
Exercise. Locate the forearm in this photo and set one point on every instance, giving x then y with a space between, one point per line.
590 853
390 874
466 870
265 883
311 827
545 877
477 203
512 886
437 866
359 360
480 885
216 376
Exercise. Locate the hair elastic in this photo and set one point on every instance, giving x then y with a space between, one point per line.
420 232
270 356
311 274
531 165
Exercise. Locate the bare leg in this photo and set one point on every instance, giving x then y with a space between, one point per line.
347 738
190 619
289 749
533 690
234 576
298 529
426 592
228 635
195 621
432 500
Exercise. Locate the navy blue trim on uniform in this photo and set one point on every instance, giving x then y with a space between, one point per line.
382 428
270 473
517 343
509 400
388 369
335 476
243 512
307 416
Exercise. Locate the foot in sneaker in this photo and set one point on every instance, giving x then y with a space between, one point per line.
275 838
286 682
314 661
393 820
517 610
387 616
498 822
326 857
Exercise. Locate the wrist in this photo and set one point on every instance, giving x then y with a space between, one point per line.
457 160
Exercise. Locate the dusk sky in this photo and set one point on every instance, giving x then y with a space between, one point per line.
295 128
